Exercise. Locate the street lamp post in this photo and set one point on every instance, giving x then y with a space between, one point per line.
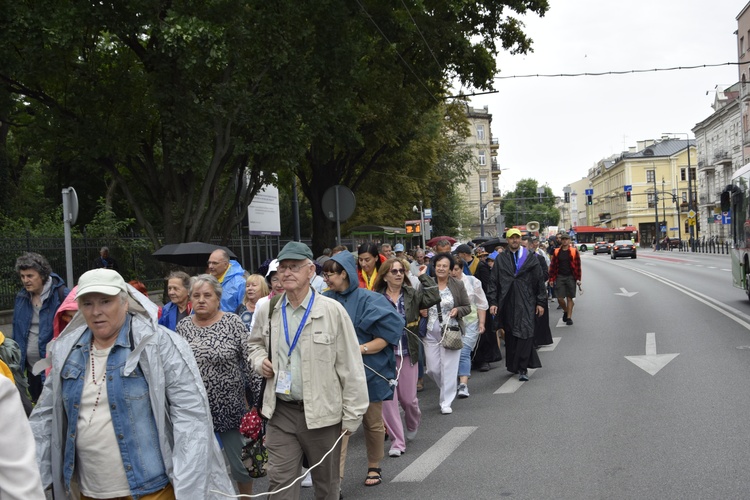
663 206
677 211
691 198
656 212
421 222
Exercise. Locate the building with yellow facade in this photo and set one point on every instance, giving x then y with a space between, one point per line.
657 172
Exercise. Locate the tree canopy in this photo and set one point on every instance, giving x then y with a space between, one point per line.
181 110
524 204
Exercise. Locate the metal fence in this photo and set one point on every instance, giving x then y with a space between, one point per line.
701 246
133 255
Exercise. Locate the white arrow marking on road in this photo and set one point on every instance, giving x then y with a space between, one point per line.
651 362
428 461
625 293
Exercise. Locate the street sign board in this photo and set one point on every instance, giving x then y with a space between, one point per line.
589 191
628 187
428 213
691 214
726 217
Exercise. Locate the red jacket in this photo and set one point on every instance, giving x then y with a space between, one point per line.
575 264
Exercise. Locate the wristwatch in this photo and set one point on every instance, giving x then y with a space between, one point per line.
364 347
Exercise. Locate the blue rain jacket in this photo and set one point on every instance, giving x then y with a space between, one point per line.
373 317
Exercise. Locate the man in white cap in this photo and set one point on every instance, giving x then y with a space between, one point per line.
124 408
315 380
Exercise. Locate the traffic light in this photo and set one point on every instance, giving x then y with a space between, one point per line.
567 197
589 200
627 195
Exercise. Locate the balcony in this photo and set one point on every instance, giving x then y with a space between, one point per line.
722 157
494 143
495 166
745 92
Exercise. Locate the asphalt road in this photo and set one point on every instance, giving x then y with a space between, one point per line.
594 423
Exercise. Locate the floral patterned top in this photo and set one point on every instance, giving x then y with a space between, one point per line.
220 351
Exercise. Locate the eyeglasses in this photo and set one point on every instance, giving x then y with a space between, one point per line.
295 268
327 276
396 272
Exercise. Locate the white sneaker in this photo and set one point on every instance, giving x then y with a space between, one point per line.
446 411
463 391
307 481
410 435
394 453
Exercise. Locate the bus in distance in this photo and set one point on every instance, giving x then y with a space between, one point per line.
586 236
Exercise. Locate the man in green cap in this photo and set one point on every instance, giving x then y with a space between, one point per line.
305 346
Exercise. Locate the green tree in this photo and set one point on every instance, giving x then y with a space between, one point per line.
185 107
524 204
377 70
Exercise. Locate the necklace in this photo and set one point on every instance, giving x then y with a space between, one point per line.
93 379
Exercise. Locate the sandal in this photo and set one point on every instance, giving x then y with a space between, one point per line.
377 477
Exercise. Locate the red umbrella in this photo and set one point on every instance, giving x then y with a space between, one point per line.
432 241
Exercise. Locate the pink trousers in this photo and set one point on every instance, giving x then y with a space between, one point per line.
406 394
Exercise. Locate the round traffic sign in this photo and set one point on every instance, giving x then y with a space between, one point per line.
346 200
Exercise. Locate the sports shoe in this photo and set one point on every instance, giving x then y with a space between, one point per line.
569 322
394 453
307 481
463 391
410 435
523 377
446 411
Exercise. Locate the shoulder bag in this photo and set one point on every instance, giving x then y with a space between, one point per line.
451 337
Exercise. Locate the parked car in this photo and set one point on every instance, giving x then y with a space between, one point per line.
623 248
602 247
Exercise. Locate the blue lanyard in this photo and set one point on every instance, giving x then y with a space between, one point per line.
299 328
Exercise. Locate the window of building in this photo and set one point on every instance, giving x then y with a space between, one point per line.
480 132
483 184
742 44
650 175
482 158
651 202
684 197
683 174
692 174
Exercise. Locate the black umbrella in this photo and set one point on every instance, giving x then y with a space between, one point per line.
193 254
480 241
491 244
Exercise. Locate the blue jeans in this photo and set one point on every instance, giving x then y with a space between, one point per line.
470 340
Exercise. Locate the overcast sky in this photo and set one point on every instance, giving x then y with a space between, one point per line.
555 129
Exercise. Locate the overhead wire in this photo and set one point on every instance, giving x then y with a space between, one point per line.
397 52
423 38
602 73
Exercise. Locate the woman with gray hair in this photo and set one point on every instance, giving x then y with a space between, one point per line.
36 304
219 343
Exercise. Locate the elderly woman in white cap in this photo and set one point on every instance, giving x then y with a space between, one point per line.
124 411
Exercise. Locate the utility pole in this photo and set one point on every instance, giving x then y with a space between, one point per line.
656 211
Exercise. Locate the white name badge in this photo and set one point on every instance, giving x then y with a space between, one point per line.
284 383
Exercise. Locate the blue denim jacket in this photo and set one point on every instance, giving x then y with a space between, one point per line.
130 407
